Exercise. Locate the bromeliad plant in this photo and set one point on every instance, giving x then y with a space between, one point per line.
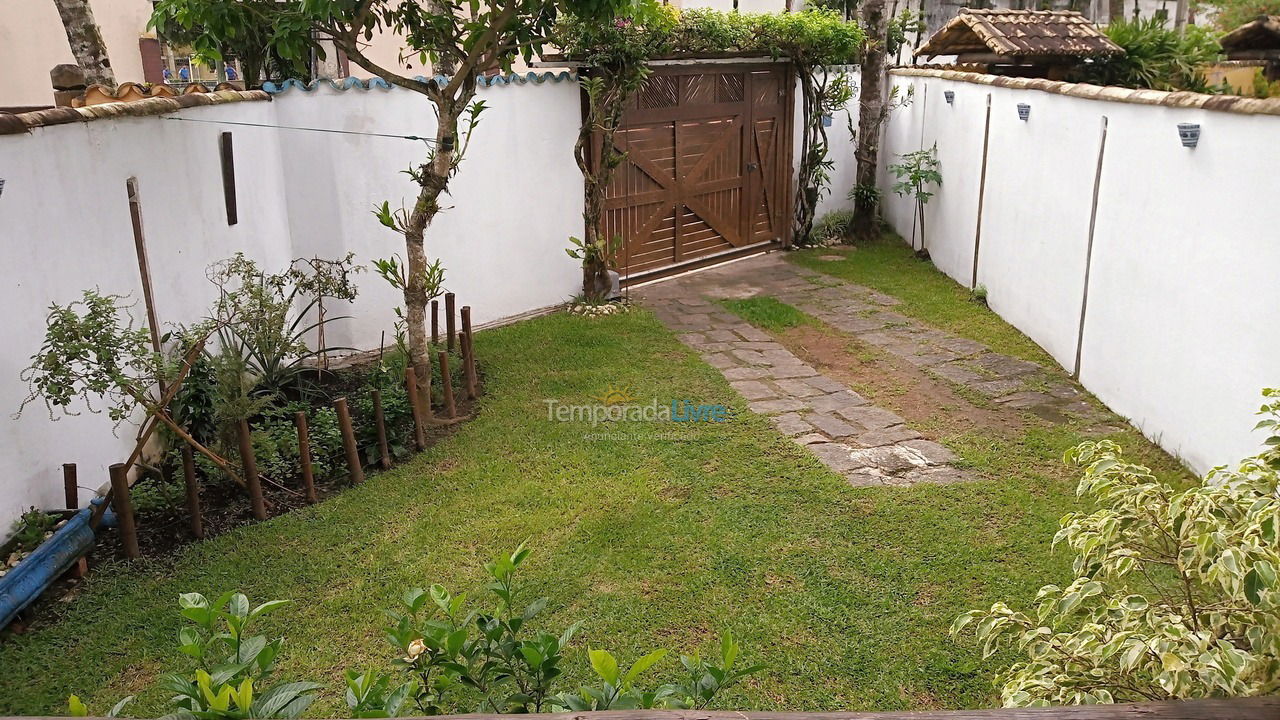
1175 596
917 172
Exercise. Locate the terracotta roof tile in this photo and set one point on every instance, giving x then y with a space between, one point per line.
1020 33
11 124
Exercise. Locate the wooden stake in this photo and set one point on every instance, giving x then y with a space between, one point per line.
193 492
70 488
380 424
349 441
250 467
450 326
469 354
447 384
124 510
304 455
415 406
435 322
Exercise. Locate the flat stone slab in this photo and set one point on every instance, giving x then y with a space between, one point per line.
753 389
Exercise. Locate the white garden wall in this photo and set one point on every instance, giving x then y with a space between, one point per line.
1180 333
65 226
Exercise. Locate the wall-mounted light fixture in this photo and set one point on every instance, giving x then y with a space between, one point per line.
950 96
1024 111
1189 133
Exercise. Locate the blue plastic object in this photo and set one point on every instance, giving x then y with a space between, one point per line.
23 584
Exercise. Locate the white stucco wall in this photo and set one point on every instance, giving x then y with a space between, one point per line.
840 146
65 227
1180 334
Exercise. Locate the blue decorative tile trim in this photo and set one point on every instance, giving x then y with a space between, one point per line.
536 78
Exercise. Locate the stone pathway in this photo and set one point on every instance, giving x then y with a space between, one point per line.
869 445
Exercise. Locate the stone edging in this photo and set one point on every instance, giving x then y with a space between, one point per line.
24 122
1185 100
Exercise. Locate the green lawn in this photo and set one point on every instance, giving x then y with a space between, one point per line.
652 534
890 266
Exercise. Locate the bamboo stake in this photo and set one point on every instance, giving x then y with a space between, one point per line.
349 441
193 492
124 510
451 328
435 322
447 383
380 425
304 455
415 406
250 467
70 488
469 354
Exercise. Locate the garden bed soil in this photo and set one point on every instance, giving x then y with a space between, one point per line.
225 506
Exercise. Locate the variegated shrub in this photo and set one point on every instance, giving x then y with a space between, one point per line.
1175 593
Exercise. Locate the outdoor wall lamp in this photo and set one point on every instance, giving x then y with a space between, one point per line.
1189 133
950 96
1024 111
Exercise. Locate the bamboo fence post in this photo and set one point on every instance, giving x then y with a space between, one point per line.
435 322
349 441
469 354
304 455
193 492
450 326
70 487
380 424
250 467
415 406
124 510
447 384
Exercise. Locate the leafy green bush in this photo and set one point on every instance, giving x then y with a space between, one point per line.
30 530
1156 56
831 229
1175 596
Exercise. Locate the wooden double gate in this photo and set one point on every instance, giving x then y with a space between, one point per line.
708 153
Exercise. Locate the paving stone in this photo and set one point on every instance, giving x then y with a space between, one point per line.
753 389
837 401
931 451
763 347
930 359
751 333
943 475
964 346
887 436
1003 365
856 325
957 373
834 455
859 478
811 438
797 387
720 360
791 424
1065 392
745 373
693 338
723 336
1084 411
1025 399
782 372
889 459
779 357
712 347
831 425
778 405
750 357
870 417
998 387
882 299
824 383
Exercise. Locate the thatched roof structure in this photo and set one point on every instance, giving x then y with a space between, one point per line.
1022 36
1262 34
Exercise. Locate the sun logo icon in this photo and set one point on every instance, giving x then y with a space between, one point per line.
615 396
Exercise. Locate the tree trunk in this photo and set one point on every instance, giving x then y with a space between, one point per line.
866 211
86 41
813 150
